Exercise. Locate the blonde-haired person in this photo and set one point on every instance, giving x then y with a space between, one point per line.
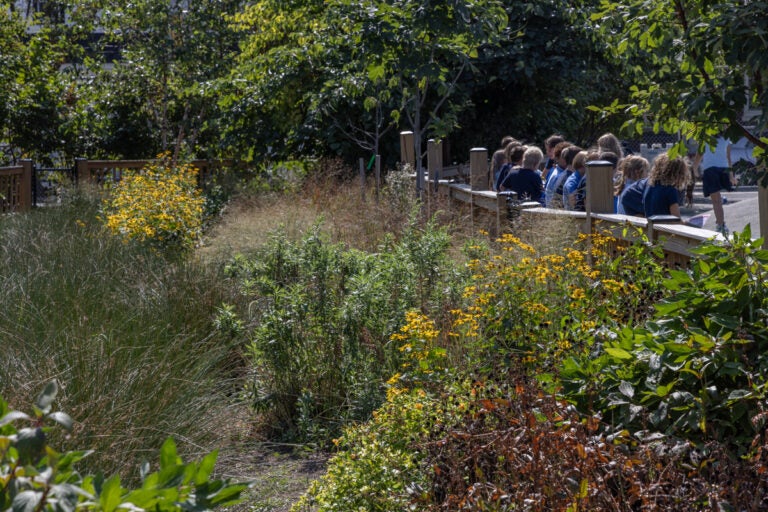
662 195
632 169
608 142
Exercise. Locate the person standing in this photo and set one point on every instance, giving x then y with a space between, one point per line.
716 178
631 170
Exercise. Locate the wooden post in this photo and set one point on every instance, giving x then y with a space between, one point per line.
478 169
82 174
599 190
25 193
377 166
434 161
762 201
501 213
362 179
407 149
434 169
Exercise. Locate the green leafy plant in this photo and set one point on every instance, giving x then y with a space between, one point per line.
697 369
321 342
35 477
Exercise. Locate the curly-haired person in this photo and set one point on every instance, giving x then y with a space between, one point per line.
662 195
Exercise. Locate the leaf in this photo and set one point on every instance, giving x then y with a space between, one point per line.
376 72
13 416
664 390
627 389
168 454
206 467
618 353
739 394
229 495
583 488
26 501
62 419
47 396
110 495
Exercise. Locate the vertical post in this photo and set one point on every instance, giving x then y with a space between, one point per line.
408 157
501 212
478 169
25 193
599 189
362 179
407 149
377 165
434 161
82 175
762 201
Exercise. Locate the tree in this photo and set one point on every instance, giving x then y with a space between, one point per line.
356 69
422 50
281 63
540 78
30 113
172 54
703 65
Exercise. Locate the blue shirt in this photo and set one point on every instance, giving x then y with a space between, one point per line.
658 198
631 198
549 189
526 182
570 187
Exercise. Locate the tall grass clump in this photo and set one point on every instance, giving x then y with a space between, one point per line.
323 315
129 336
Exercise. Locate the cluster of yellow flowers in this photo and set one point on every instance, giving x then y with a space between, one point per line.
160 204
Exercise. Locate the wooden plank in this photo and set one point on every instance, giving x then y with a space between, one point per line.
555 212
762 202
461 192
487 202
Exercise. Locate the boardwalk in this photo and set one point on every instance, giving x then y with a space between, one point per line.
740 210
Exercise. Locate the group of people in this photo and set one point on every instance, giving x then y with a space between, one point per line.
556 177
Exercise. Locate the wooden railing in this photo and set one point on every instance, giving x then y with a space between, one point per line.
96 171
473 190
16 187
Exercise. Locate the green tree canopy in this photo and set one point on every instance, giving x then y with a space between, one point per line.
699 65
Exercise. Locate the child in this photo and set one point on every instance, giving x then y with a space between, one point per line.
662 195
526 181
631 169
575 186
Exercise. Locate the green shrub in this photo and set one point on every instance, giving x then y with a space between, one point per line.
323 315
35 477
159 205
378 464
697 369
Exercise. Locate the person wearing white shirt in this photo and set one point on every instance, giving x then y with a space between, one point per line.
717 177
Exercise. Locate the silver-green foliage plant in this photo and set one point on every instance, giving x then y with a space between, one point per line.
323 315
34 477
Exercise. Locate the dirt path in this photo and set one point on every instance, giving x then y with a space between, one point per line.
280 474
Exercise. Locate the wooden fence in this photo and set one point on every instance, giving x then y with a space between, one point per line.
96 171
17 182
473 189
16 187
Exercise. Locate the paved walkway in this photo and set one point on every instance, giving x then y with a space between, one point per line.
740 209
